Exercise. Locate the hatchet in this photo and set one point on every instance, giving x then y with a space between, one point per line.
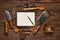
43 17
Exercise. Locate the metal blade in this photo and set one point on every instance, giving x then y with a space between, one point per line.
43 17
8 15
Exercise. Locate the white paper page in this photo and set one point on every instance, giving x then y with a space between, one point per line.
25 18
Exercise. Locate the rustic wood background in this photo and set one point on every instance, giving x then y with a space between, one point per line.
17 5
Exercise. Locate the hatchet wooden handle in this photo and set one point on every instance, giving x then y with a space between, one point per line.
36 30
6 27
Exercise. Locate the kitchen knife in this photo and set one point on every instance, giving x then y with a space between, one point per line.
9 18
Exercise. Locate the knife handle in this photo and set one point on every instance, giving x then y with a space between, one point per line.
11 24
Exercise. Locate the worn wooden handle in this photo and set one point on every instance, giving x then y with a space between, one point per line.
11 24
6 27
36 30
30 8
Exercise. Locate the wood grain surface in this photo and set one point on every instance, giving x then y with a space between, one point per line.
13 6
